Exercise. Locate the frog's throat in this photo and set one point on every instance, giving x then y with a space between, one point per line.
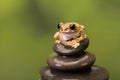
69 36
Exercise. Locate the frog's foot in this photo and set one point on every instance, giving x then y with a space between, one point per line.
57 41
75 45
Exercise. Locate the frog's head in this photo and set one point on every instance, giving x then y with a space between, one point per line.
70 29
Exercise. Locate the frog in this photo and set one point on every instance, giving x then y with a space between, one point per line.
70 34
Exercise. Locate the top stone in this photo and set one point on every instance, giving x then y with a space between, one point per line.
70 34
70 51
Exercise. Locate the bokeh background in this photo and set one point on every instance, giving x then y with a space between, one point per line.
27 28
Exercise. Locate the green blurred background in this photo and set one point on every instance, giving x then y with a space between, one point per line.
27 28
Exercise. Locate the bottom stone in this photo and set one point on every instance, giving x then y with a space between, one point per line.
95 73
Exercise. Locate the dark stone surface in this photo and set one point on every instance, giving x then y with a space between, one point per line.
96 73
71 63
68 50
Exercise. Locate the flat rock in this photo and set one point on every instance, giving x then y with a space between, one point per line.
95 73
64 63
68 50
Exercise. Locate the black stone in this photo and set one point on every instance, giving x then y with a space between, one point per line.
96 73
64 63
68 50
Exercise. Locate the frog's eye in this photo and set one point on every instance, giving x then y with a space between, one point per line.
72 26
58 26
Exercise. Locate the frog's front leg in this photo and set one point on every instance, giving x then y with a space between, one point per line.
56 36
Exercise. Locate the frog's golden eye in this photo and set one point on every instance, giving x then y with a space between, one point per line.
58 26
72 26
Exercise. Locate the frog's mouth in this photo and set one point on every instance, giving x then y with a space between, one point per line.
68 35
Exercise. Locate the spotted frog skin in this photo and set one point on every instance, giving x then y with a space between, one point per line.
70 34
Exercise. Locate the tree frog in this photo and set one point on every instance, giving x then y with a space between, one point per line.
70 34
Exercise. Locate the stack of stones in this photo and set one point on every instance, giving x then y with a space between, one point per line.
72 64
